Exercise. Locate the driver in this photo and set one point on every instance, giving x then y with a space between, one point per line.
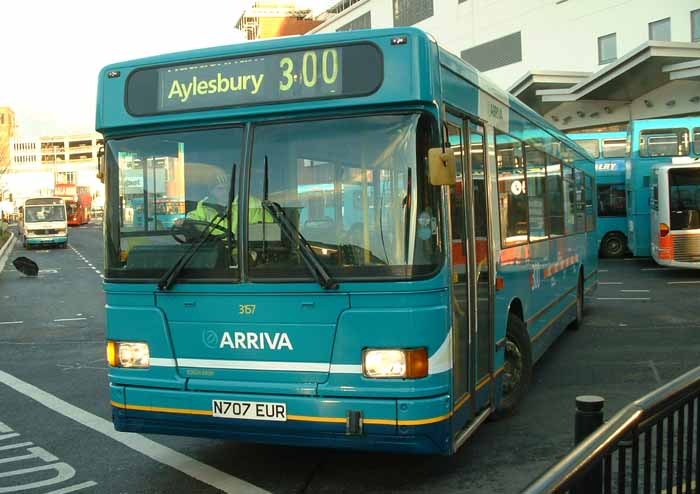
215 204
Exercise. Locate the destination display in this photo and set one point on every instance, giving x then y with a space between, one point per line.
319 73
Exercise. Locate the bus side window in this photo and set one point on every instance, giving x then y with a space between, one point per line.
512 190
590 216
664 142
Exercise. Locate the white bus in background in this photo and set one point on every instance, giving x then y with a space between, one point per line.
43 221
675 213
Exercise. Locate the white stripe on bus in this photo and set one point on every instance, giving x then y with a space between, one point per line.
440 361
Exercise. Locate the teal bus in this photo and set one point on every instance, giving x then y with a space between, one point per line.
609 150
378 243
653 142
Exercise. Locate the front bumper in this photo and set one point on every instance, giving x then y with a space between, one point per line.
408 426
47 240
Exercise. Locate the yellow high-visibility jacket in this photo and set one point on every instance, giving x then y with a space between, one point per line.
204 212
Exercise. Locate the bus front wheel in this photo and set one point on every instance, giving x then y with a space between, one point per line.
614 245
517 368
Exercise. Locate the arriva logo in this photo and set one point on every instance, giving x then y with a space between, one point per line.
256 341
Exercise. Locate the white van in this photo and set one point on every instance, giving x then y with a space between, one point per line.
43 221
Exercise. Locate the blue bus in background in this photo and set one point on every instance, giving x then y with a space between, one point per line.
653 142
609 151
378 242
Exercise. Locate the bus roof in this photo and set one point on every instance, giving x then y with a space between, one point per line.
620 134
44 201
684 162
664 123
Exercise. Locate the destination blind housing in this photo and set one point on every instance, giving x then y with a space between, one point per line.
306 74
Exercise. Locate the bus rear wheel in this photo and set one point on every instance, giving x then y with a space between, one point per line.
614 245
517 368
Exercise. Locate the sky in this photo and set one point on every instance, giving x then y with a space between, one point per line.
52 51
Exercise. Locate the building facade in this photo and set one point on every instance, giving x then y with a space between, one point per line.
38 165
530 46
269 19
7 131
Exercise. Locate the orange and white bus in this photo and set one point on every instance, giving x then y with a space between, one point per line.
675 214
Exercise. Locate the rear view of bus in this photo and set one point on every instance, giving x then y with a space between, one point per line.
43 222
675 214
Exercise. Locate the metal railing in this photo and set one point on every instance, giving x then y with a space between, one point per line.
651 445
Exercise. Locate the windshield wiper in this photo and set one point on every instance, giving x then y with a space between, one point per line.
168 279
307 254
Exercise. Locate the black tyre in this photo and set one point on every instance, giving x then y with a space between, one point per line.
518 367
614 245
576 324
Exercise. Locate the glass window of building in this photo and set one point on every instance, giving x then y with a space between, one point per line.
607 48
614 148
409 12
695 25
660 30
362 22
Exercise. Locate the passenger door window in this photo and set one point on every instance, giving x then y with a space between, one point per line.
611 200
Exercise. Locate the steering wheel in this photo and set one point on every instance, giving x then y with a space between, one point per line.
190 230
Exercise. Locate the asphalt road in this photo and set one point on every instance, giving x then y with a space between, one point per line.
642 328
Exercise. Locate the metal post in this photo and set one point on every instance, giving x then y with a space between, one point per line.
589 416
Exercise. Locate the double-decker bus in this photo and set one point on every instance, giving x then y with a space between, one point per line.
78 202
652 142
378 243
42 221
675 212
609 151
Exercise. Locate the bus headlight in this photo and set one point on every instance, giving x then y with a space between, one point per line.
128 354
395 363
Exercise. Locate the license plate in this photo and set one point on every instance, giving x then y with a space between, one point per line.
250 410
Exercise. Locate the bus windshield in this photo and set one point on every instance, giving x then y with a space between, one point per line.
37 214
355 188
685 198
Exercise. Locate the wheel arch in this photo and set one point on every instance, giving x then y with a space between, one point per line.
516 307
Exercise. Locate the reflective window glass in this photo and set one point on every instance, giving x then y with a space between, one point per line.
614 148
512 190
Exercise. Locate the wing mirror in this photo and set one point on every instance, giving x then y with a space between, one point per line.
442 165
101 164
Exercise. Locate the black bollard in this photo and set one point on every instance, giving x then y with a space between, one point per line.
589 416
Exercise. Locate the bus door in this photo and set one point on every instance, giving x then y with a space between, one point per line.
471 294
479 236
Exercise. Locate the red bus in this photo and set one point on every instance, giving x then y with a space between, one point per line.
78 202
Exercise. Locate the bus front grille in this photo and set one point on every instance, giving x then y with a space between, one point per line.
686 248
49 231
